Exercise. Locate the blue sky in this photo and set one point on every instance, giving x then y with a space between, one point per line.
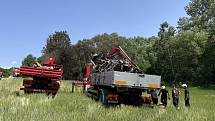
25 24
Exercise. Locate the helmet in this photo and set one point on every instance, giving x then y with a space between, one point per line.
163 87
95 54
184 85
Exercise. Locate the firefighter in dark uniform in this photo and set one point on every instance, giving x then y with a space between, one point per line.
186 95
164 95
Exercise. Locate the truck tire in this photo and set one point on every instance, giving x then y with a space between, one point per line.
103 96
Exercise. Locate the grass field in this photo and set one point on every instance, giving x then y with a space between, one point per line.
77 107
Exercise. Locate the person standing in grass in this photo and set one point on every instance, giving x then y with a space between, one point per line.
164 95
154 96
175 96
186 95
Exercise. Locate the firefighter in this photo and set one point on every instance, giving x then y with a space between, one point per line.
186 95
154 96
164 95
175 96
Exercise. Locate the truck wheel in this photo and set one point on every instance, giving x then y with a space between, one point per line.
102 96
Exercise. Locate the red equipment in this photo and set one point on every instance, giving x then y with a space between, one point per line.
1 72
87 73
45 77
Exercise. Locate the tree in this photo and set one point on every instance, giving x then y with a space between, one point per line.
6 73
59 45
163 52
84 49
208 63
28 60
184 24
139 50
99 44
56 44
188 47
40 59
202 18
105 42
201 13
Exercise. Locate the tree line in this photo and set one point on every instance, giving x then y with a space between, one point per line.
185 53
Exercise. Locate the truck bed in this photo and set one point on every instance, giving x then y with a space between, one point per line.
117 78
40 72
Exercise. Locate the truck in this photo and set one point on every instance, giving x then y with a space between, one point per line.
113 78
41 78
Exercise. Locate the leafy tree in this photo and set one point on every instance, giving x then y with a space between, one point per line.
105 42
188 47
208 63
6 73
163 52
59 45
184 24
201 13
40 59
202 18
139 50
97 45
28 60
84 49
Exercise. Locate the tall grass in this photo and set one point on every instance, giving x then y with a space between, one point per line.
67 106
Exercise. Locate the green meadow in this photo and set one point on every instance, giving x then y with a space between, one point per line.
68 106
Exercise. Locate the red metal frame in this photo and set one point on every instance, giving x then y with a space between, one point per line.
45 73
49 61
1 72
41 72
39 90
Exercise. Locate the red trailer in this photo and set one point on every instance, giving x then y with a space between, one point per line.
45 77
1 73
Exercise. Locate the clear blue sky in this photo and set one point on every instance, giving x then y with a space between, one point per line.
25 24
